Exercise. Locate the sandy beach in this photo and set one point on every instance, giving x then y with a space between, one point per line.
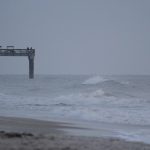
26 134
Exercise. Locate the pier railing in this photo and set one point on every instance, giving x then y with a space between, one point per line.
17 52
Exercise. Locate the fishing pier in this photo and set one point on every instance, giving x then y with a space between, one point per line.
29 52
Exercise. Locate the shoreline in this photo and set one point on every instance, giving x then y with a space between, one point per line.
36 126
15 132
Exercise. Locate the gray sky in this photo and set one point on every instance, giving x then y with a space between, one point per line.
77 36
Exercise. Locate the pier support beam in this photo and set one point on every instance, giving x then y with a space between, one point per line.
31 66
11 51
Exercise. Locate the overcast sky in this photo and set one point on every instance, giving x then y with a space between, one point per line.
77 36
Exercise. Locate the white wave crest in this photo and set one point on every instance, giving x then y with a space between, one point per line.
86 98
98 93
94 80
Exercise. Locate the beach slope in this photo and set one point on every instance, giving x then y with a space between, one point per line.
30 134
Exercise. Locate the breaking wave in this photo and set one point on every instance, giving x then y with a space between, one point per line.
94 80
104 81
101 106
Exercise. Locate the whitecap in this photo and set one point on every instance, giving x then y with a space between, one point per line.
94 80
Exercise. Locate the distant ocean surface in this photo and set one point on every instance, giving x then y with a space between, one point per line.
109 99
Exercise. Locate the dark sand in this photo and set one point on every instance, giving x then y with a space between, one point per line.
30 134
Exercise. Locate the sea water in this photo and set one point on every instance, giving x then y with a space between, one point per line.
108 100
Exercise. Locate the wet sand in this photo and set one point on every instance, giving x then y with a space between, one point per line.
29 134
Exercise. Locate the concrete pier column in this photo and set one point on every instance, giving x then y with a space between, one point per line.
31 66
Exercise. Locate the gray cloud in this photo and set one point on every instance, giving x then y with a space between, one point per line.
77 37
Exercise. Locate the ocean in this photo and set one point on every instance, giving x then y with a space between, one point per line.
121 100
